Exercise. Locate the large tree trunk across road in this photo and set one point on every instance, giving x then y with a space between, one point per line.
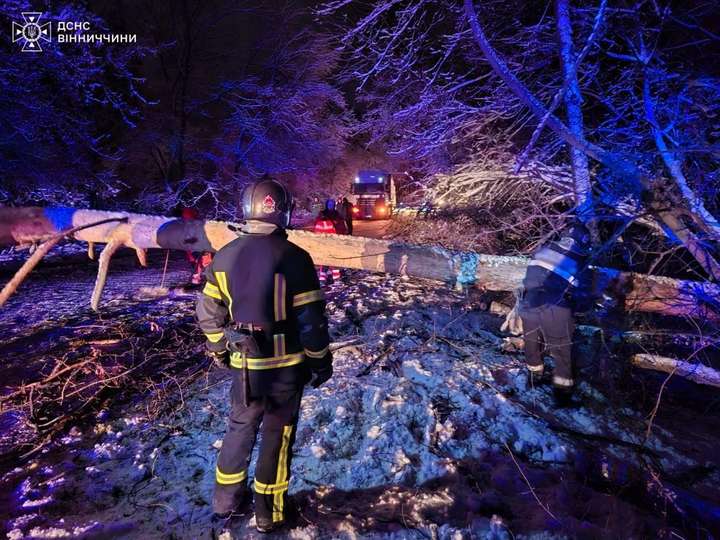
490 272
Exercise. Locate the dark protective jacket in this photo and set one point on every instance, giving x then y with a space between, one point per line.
558 275
264 280
347 208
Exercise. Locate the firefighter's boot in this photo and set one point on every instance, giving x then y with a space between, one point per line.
228 501
219 526
564 398
538 378
265 525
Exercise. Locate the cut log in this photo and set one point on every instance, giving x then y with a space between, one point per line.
495 273
698 373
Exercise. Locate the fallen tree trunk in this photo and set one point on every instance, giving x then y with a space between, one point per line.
496 273
697 373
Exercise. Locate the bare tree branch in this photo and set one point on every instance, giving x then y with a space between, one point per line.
624 169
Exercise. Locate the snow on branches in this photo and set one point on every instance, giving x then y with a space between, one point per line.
435 96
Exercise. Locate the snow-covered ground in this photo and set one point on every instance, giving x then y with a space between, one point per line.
427 430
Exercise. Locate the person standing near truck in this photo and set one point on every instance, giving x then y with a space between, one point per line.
198 261
329 222
348 209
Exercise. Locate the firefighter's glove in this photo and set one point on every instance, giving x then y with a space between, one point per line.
321 376
221 359
513 323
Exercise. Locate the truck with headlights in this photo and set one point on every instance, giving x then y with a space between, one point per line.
373 194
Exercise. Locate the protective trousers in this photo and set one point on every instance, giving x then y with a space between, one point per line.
554 325
278 415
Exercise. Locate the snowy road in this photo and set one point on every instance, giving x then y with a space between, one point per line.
427 430
372 228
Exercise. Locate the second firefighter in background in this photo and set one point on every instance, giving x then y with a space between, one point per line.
329 221
557 285
263 314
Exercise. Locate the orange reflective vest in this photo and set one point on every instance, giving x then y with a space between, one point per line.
324 226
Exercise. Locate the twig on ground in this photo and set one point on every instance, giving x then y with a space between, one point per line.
529 485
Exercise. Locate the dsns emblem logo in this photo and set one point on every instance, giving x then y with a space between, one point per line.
268 205
32 32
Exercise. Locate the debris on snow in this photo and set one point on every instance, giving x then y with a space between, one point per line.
408 439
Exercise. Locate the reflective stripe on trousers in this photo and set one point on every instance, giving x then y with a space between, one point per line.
276 417
549 329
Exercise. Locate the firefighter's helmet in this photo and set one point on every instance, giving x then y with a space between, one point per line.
268 200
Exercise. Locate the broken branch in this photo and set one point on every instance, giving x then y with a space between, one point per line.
39 253
621 167
698 373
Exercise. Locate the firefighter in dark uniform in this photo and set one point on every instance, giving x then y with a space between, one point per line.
556 286
348 209
263 314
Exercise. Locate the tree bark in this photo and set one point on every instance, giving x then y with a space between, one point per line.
560 95
573 102
698 373
652 294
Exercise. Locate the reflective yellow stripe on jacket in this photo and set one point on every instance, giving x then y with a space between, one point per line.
280 290
272 362
221 278
308 297
212 291
279 345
